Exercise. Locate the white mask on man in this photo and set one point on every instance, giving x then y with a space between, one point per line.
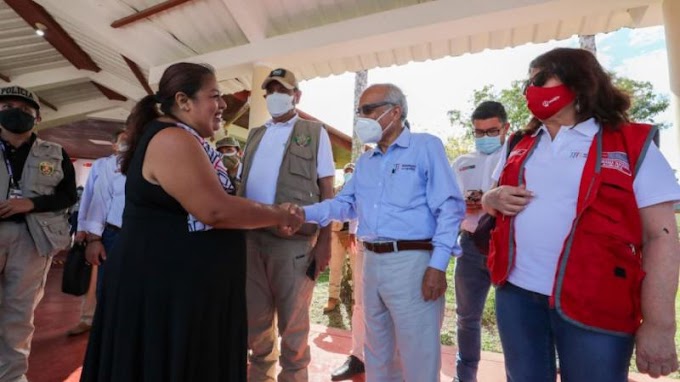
279 104
369 130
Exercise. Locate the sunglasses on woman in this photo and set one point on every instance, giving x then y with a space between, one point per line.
537 80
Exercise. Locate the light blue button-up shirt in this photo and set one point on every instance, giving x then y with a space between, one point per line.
407 193
108 199
88 193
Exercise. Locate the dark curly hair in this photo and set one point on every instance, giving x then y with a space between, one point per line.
184 77
596 95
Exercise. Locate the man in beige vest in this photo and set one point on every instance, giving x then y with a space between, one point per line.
289 159
37 185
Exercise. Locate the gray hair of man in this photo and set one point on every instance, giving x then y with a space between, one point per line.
396 96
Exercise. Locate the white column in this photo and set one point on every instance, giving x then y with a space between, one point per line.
671 21
258 107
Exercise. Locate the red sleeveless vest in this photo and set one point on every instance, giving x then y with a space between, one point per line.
599 274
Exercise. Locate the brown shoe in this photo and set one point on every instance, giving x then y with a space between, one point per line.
331 305
79 329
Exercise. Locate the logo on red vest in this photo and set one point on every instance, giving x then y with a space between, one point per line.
516 152
616 160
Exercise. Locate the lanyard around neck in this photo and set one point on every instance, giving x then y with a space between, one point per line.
12 181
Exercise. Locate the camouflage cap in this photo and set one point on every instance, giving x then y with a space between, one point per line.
227 142
17 92
282 76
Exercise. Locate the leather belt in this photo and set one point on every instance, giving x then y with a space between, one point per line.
112 227
399 245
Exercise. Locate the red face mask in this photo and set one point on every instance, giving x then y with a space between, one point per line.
546 102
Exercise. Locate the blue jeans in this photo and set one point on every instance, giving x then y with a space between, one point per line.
530 332
109 237
472 284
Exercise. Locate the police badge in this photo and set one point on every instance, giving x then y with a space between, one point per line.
46 168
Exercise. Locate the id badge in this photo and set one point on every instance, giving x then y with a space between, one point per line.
15 193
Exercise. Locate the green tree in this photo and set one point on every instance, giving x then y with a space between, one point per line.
512 98
646 104
458 145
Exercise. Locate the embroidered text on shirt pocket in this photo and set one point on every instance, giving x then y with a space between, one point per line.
404 185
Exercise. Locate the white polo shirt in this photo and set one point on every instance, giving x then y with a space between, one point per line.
474 172
264 171
553 174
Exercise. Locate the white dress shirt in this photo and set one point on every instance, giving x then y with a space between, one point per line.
553 174
264 171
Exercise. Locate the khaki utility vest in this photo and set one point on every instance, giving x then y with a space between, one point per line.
298 178
42 173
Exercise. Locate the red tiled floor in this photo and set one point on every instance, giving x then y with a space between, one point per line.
57 358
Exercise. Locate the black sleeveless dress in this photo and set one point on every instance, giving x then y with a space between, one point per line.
172 306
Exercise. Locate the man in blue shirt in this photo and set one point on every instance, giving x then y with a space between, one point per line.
89 212
409 207
105 215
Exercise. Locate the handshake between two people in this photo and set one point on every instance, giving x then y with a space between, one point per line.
291 219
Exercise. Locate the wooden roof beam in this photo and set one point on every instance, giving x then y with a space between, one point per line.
44 102
110 94
137 71
148 12
33 14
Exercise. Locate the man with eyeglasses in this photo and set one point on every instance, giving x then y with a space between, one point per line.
409 207
472 281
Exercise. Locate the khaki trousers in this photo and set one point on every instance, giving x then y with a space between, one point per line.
339 247
89 304
338 254
277 286
22 282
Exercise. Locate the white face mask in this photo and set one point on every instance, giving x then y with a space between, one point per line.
279 104
369 130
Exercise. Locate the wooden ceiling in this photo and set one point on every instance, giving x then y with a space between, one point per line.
75 137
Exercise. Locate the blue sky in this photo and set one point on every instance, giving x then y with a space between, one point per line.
434 87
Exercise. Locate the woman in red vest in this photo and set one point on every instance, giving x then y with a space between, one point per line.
585 250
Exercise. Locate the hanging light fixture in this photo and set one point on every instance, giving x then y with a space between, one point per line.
40 29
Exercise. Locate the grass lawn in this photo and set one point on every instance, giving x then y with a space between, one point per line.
341 317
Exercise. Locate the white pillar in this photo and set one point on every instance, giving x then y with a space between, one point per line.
671 22
258 106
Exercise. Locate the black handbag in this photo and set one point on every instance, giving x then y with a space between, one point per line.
482 235
77 271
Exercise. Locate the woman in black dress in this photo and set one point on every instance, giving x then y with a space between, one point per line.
173 298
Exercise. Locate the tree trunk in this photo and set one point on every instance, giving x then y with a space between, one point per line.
587 42
360 82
